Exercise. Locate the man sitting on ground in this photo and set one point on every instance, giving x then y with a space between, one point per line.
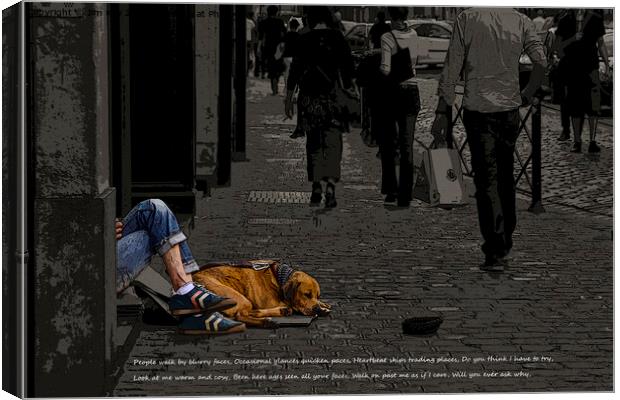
151 228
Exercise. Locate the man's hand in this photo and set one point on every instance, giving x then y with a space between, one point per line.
440 129
118 228
606 73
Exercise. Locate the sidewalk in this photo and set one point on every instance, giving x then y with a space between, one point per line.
377 266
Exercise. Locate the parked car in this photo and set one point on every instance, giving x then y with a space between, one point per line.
434 39
348 25
357 36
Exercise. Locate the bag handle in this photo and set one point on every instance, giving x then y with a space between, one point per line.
395 40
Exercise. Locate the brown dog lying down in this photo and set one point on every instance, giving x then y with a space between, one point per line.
276 290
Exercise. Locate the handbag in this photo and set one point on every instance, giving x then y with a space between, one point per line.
347 101
401 69
367 72
438 178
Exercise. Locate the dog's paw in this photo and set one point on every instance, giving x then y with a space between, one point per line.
286 311
270 323
324 312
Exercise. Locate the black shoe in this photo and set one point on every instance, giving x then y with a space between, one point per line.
297 133
576 147
493 264
564 136
593 148
317 194
403 203
330 196
390 199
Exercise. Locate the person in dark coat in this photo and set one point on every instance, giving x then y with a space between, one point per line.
325 60
271 33
580 36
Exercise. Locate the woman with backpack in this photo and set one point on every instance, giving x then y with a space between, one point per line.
400 101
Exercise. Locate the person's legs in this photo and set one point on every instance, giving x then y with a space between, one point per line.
410 101
507 131
387 138
564 114
257 61
406 127
578 98
133 254
331 163
482 145
594 109
155 218
151 225
577 130
593 123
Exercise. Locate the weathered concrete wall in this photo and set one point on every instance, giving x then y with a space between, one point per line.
10 328
71 111
74 210
74 316
207 33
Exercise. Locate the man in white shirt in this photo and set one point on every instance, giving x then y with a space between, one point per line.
250 39
485 48
539 21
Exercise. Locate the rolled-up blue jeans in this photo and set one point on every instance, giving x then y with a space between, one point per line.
149 228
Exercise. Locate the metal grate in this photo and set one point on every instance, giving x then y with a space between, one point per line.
271 197
272 221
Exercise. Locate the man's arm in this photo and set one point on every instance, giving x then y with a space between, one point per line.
386 54
534 49
602 51
451 73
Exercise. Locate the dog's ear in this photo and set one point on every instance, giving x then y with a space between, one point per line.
289 289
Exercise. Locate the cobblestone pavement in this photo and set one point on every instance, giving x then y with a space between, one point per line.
552 307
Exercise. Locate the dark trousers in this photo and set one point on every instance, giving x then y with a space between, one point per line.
561 99
396 126
492 138
324 154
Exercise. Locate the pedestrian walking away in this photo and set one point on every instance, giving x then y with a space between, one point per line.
539 21
580 36
271 33
250 37
486 45
319 70
377 30
290 45
399 104
552 47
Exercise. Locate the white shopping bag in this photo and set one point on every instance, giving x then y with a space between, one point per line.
439 178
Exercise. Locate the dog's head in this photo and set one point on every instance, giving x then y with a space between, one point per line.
302 292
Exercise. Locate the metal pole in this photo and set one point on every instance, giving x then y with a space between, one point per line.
536 207
21 206
240 74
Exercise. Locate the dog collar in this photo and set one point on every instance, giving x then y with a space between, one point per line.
283 273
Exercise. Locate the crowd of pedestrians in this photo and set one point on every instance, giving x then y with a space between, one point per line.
484 52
